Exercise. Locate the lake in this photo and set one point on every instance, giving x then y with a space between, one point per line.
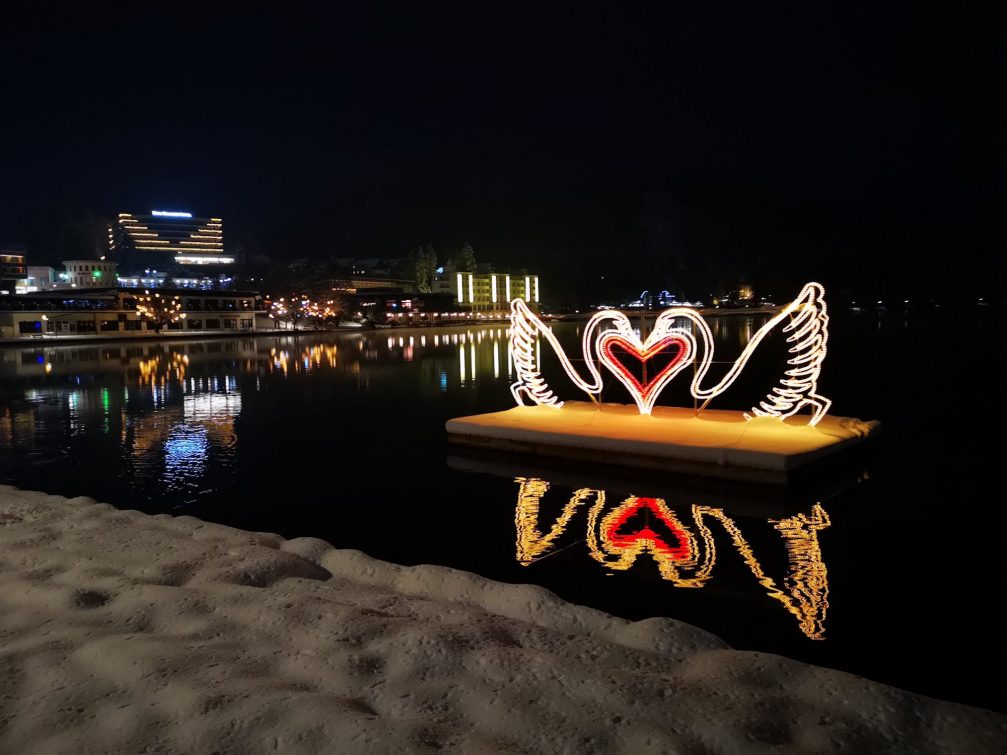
890 570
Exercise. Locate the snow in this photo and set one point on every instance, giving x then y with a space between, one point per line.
715 438
127 632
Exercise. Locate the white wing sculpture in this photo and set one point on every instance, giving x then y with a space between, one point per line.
526 327
804 322
807 337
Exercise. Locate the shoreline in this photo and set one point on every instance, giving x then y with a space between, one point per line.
124 630
183 336
212 334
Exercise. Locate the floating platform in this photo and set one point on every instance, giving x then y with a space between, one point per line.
717 443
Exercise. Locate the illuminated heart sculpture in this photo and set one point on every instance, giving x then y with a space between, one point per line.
609 338
614 349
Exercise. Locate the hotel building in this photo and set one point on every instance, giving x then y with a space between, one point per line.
189 249
489 292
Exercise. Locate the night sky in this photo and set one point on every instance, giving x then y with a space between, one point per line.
662 147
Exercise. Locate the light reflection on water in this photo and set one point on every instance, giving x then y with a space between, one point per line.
173 407
619 532
310 435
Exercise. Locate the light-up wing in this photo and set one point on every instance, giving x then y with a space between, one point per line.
804 322
526 330
807 337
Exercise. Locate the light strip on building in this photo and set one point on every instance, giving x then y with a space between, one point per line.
170 214
527 288
493 288
208 260
461 291
472 290
507 287
536 290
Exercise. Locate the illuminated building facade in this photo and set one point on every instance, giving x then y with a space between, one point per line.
87 274
12 269
489 292
167 246
114 313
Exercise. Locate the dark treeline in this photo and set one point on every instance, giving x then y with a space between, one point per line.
695 238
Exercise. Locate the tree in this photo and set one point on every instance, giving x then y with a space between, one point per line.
377 314
159 310
465 259
425 266
291 310
319 311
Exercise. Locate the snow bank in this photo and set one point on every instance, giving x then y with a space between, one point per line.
126 632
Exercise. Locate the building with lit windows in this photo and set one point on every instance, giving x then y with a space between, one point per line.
12 269
167 247
87 274
112 313
487 291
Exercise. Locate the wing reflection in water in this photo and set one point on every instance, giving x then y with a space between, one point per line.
684 548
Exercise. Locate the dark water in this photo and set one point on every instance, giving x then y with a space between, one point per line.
890 568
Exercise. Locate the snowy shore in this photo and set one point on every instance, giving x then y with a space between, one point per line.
127 632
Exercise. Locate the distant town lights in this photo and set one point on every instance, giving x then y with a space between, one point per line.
203 260
170 214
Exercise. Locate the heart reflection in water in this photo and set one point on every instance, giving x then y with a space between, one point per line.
685 554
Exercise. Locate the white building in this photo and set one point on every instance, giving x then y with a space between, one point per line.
88 274
40 278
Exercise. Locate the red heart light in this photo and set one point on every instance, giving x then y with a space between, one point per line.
645 394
